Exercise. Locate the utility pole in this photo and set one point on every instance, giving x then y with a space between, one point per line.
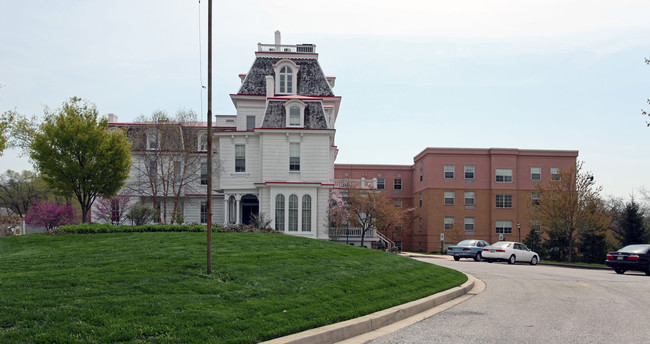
209 186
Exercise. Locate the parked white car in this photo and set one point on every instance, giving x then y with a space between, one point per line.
509 251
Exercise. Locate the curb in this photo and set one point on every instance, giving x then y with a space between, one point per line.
354 327
577 266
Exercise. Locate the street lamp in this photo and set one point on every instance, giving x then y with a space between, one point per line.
519 230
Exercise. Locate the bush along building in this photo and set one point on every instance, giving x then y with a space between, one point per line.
275 159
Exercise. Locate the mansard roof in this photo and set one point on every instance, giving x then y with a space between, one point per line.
276 116
311 80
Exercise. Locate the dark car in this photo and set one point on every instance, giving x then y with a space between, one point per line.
631 257
467 249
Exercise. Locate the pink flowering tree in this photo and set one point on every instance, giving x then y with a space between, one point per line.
338 214
112 210
50 215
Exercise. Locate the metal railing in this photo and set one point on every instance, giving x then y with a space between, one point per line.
284 48
355 183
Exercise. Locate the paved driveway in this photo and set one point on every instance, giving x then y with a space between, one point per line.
539 304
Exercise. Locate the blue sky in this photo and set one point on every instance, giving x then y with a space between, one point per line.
413 74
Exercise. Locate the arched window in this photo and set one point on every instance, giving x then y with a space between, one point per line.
279 213
286 76
294 116
295 113
306 213
293 213
286 80
203 143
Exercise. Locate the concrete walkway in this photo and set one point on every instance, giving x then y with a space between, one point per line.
365 328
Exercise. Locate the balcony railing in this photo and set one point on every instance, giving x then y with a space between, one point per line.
283 48
356 233
355 183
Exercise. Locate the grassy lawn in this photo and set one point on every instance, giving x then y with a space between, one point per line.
152 287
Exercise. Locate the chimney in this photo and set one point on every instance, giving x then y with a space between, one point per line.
112 118
270 86
278 40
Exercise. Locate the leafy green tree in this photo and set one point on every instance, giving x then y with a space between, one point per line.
533 241
77 154
4 131
16 130
592 235
19 190
629 225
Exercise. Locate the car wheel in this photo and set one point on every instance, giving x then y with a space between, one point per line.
478 257
512 259
619 271
456 258
647 273
533 261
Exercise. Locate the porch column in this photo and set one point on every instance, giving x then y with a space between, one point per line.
237 209
226 202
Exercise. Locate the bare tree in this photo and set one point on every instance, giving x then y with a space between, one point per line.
168 158
569 206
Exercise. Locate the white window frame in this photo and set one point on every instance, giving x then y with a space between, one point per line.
397 184
203 215
250 119
555 173
503 227
177 171
470 195
241 158
469 224
450 197
280 206
504 201
469 169
294 157
289 87
293 213
381 183
535 173
294 103
448 223
204 173
202 142
306 213
450 172
503 175
153 140
535 197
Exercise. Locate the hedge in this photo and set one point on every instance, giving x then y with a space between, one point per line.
108 228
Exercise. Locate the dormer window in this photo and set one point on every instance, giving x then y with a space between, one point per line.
286 80
286 76
203 143
153 140
295 113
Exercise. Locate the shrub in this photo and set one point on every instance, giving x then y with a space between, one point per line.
142 214
50 215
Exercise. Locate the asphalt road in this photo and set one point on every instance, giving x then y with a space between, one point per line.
539 304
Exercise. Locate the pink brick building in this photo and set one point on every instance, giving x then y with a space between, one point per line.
486 192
